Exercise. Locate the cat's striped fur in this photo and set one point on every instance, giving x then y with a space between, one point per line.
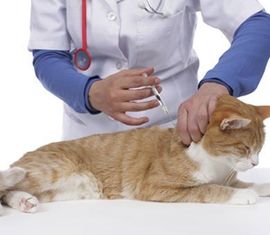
146 164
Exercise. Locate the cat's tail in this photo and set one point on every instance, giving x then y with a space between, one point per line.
11 177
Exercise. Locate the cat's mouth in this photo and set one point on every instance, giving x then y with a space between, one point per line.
244 165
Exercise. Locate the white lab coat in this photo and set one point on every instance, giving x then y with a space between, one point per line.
122 35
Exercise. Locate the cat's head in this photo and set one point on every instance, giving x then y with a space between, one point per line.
235 133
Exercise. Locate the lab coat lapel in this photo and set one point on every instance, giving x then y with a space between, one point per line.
112 4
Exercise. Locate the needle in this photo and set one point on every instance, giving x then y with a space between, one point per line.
158 97
161 102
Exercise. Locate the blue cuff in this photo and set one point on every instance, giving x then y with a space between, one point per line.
218 81
242 66
89 107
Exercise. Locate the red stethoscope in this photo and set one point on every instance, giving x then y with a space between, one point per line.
82 57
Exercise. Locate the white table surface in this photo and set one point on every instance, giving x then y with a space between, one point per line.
124 217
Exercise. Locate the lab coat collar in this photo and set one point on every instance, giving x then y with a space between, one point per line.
112 4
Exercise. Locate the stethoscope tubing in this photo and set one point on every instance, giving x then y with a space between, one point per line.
84 24
82 57
152 10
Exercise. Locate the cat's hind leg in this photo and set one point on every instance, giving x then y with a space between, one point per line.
11 177
8 179
76 186
22 201
57 176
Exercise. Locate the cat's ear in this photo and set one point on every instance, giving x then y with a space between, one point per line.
264 111
234 123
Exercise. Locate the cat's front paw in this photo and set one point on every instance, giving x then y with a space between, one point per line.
263 190
243 197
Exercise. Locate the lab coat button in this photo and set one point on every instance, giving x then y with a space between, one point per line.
119 65
111 16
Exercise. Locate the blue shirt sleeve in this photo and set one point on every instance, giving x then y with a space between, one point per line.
241 68
55 71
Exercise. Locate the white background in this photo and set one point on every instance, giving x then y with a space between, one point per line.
31 116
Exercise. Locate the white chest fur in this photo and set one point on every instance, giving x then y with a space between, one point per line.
211 169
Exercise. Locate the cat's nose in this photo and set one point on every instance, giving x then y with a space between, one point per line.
254 164
254 160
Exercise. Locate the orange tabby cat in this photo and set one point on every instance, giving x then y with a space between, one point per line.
148 164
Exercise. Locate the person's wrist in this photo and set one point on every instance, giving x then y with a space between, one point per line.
94 93
217 88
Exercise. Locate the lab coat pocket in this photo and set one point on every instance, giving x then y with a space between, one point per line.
161 39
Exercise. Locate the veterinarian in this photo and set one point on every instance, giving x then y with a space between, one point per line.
101 57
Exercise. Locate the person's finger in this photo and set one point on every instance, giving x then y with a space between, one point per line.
138 106
193 128
138 81
159 88
128 120
182 126
138 94
137 72
202 118
211 106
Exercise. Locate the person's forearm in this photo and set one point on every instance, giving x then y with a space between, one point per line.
241 68
55 71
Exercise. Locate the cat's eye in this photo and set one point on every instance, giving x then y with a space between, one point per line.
247 148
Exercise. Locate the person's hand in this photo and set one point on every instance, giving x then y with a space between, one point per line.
120 92
194 113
